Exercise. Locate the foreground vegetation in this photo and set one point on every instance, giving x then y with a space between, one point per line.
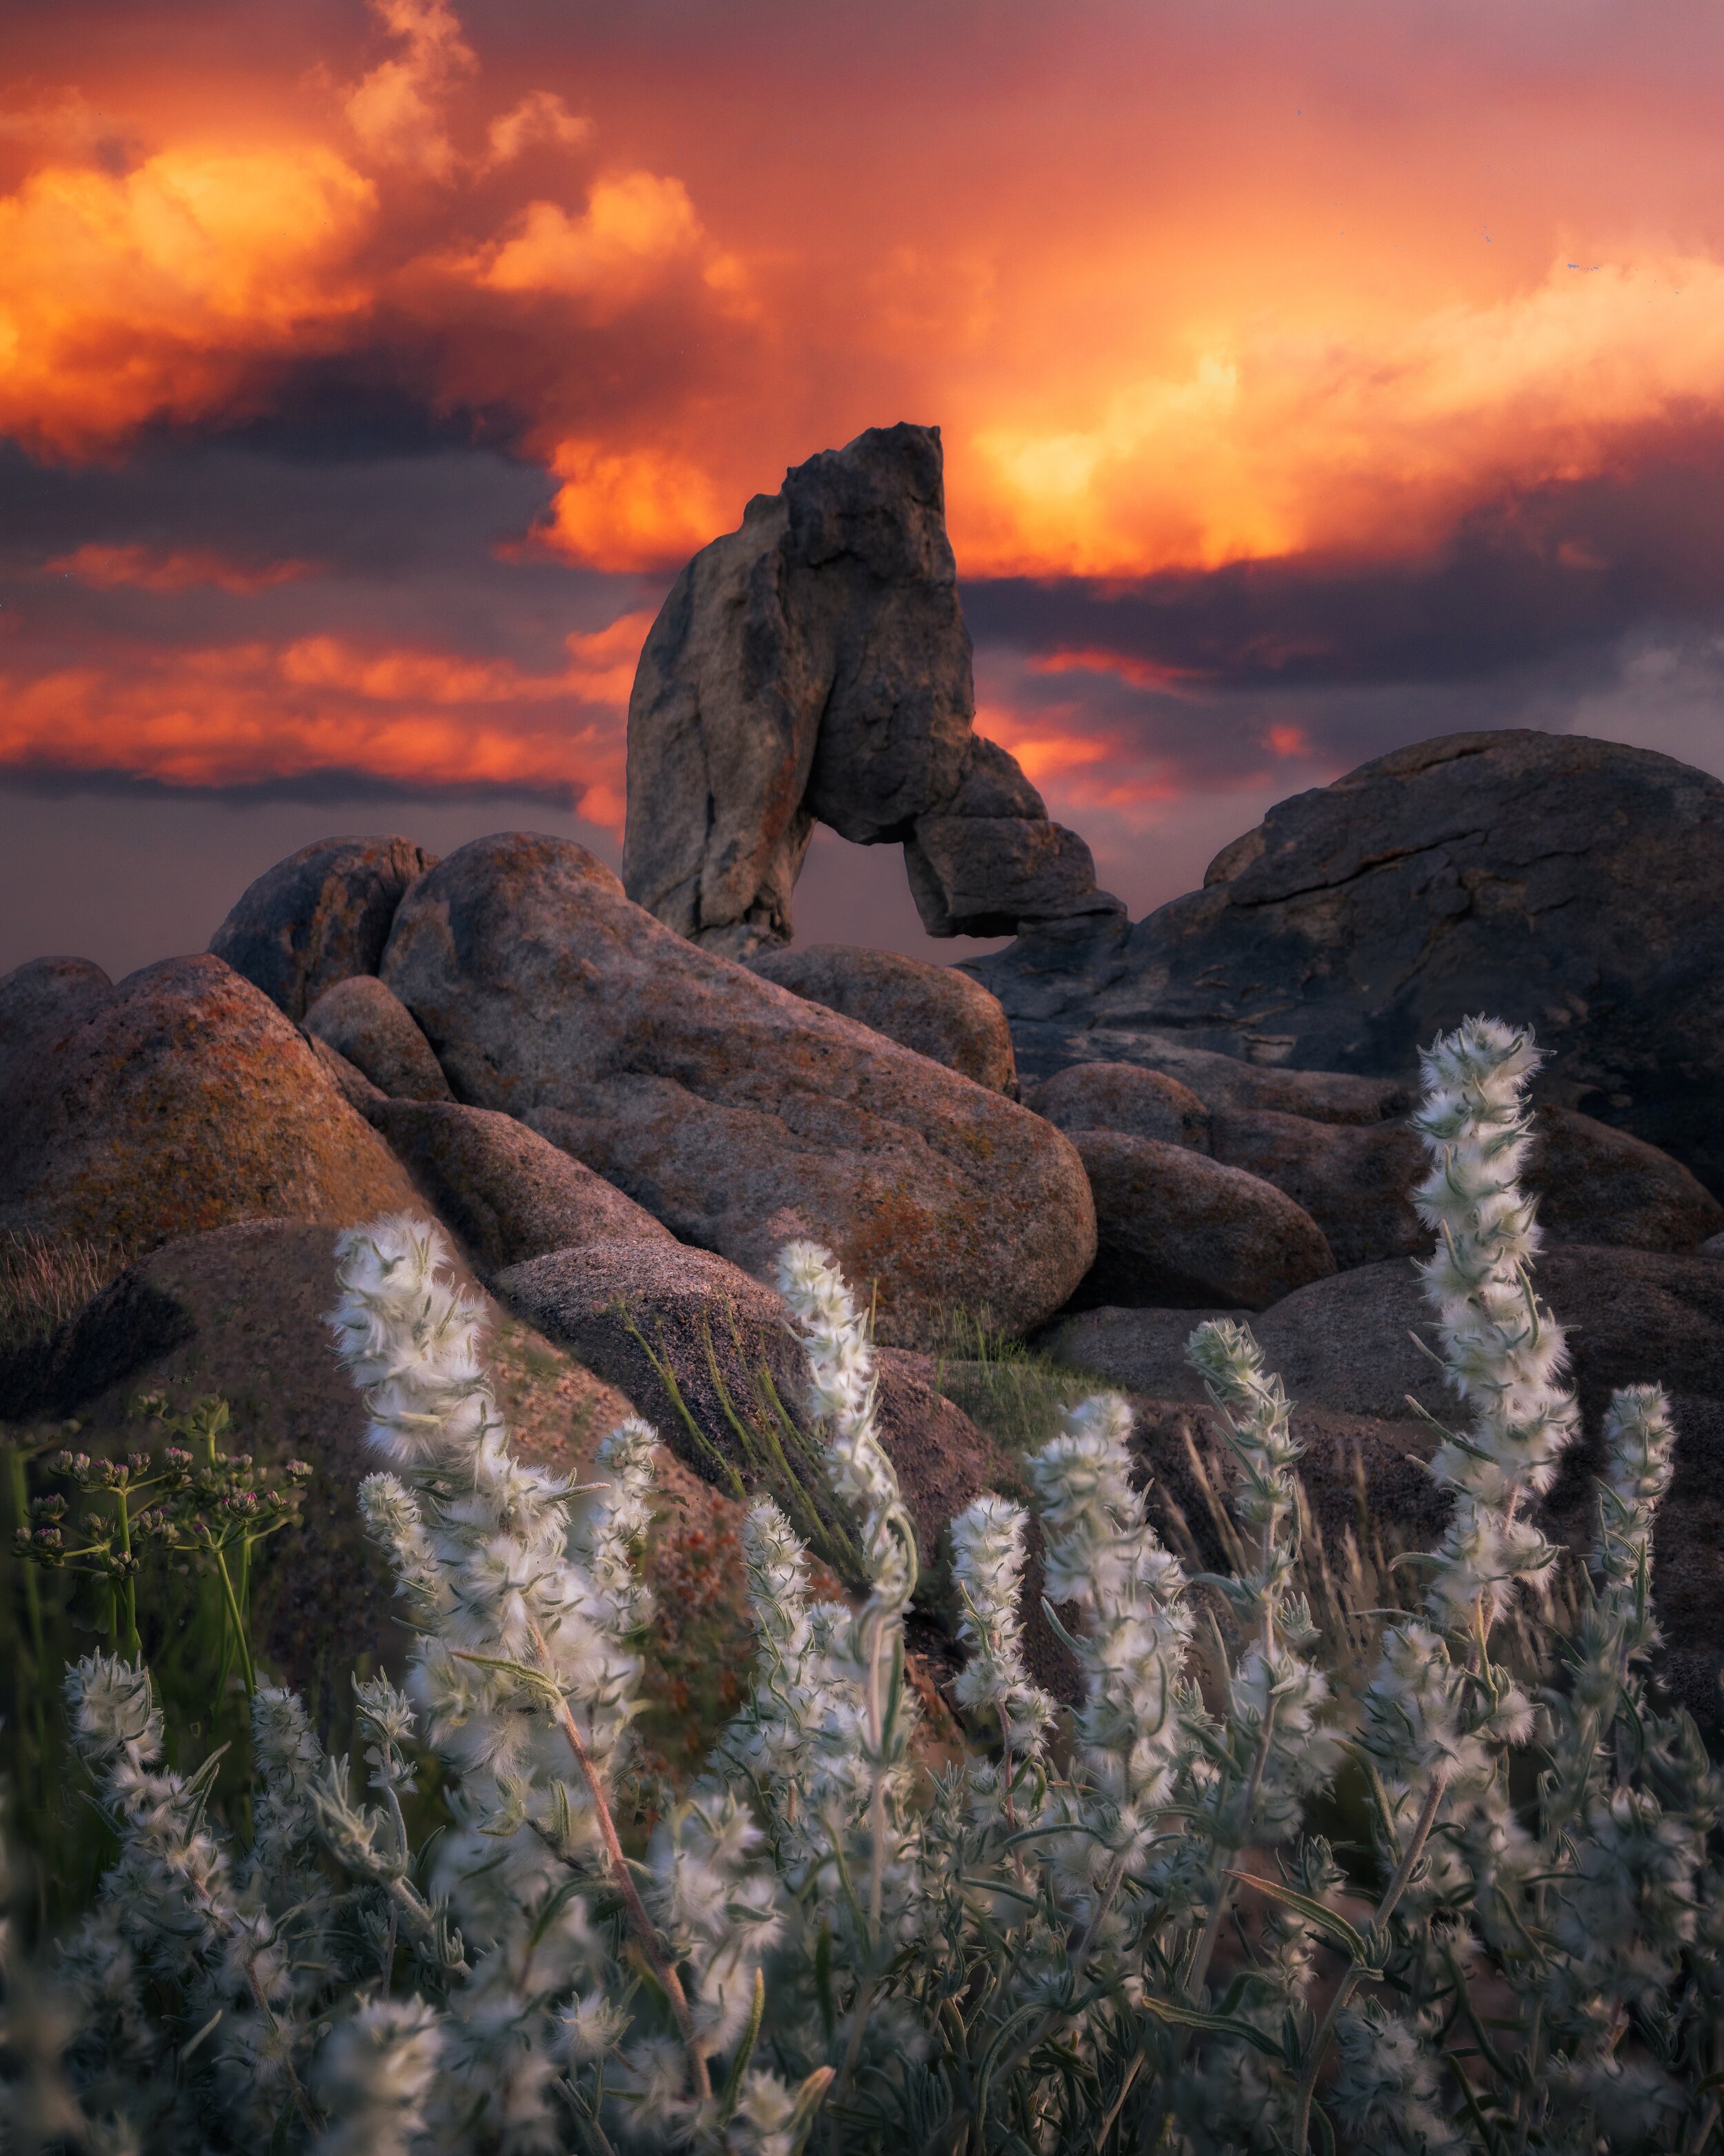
1110 1928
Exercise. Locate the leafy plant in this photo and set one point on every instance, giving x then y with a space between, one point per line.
1112 1930
209 1507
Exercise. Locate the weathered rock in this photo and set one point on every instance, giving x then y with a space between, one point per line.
814 665
1121 1097
1598 1184
737 1113
349 1080
1140 1351
1595 1184
937 1010
184 1100
507 1192
1175 1227
1355 1179
318 918
361 1020
632 1310
41 1002
1344 1345
1572 884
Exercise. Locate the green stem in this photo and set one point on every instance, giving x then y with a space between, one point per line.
1352 1974
126 1597
248 1671
20 1520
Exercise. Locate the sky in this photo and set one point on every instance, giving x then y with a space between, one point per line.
1312 380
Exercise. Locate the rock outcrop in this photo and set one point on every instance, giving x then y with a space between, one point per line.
509 1194
936 1010
1576 885
736 1112
1174 1226
182 1099
814 666
39 1004
361 1020
1120 1097
318 918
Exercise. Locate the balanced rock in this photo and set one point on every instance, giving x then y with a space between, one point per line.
508 1194
318 918
1121 1097
1574 885
740 1115
39 1004
361 1020
1173 1226
814 665
183 1099
937 1010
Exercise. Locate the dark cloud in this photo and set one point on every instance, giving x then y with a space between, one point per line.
1536 577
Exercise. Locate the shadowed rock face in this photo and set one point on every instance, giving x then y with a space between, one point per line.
1173 1226
814 665
361 1020
739 1115
318 918
1575 886
183 1099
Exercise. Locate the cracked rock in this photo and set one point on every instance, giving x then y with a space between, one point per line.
1574 885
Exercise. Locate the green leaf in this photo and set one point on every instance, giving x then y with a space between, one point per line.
745 2049
1216 2024
1326 1919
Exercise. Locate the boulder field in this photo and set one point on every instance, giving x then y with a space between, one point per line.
621 1097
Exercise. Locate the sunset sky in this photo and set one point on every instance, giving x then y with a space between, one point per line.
1313 378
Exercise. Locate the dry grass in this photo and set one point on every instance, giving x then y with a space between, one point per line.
44 1280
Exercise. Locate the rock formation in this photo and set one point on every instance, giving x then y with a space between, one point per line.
361 1020
318 918
1576 885
736 1113
182 1099
814 666
937 1010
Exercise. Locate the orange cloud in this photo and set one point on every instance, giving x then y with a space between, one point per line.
144 296
397 110
635 226
629 509
1360 431
147 569
1141 673
242 713
541 116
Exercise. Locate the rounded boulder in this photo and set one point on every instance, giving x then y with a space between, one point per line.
936 1010
318 918
740 1115
1174 1228
184 1100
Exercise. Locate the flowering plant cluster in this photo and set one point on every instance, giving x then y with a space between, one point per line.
1104 1928
197 1502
